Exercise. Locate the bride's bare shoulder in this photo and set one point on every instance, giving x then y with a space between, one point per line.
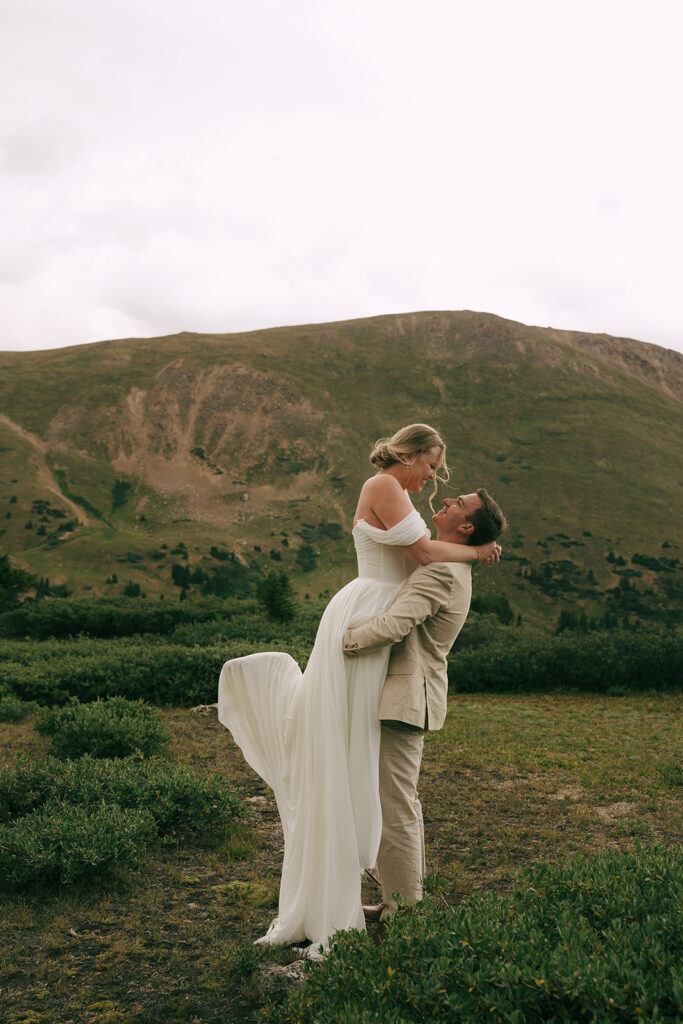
382 484
382 501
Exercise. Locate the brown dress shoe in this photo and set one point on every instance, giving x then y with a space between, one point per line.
374 913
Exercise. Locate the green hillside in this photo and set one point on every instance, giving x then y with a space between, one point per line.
123 458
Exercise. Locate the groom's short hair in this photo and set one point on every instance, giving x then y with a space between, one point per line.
488 520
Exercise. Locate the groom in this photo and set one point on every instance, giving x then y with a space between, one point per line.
422 625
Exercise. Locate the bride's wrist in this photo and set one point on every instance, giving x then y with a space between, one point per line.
476 553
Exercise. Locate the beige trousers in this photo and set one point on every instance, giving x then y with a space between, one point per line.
401 859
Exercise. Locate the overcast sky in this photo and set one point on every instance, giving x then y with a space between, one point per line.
223 165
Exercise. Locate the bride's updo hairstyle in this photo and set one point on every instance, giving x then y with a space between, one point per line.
405 445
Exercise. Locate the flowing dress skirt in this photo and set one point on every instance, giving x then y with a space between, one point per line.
313 737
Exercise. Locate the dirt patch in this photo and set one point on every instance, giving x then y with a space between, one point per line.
513 781
573 792
613 812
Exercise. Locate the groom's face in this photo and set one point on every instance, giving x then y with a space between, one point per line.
451 519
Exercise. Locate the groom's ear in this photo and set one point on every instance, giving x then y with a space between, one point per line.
466 528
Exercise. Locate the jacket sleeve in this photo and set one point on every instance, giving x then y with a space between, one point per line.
427 590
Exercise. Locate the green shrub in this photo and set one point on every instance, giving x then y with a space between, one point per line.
62 842
252 626
181 802
104 728
277 597
31 681
613 662
306 558
13 583
12 709
158 672
109 617
482 630
587 940
494 604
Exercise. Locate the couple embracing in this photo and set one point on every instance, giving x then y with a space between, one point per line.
340 744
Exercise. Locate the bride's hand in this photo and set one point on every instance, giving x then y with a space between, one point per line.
489 554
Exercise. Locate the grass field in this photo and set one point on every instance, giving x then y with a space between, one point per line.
510 781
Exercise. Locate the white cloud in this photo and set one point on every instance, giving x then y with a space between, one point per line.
215 165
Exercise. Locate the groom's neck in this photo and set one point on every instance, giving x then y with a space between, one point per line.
450 538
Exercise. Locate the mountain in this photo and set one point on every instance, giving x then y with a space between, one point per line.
126 457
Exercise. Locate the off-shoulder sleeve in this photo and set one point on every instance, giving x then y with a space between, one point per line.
406 531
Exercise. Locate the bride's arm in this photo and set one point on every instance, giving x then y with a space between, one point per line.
390 503
425 550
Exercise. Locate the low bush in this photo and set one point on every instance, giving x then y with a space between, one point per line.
482 630
104 728
181 802
255 628
12 709
160 673
613 663
494 604
111 617
587 940
63 842
234 618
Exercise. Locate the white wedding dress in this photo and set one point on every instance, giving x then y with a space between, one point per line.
314 739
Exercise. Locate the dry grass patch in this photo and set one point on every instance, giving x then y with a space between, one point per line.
511 780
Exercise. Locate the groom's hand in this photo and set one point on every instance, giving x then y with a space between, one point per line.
350 647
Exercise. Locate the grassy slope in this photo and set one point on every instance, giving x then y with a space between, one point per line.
569 437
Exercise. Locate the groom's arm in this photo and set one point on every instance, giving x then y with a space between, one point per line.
428 589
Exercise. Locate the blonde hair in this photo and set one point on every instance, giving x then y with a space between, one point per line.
413 440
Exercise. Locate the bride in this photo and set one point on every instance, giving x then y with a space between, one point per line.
314 736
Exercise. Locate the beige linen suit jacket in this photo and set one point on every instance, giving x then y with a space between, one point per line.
422 625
